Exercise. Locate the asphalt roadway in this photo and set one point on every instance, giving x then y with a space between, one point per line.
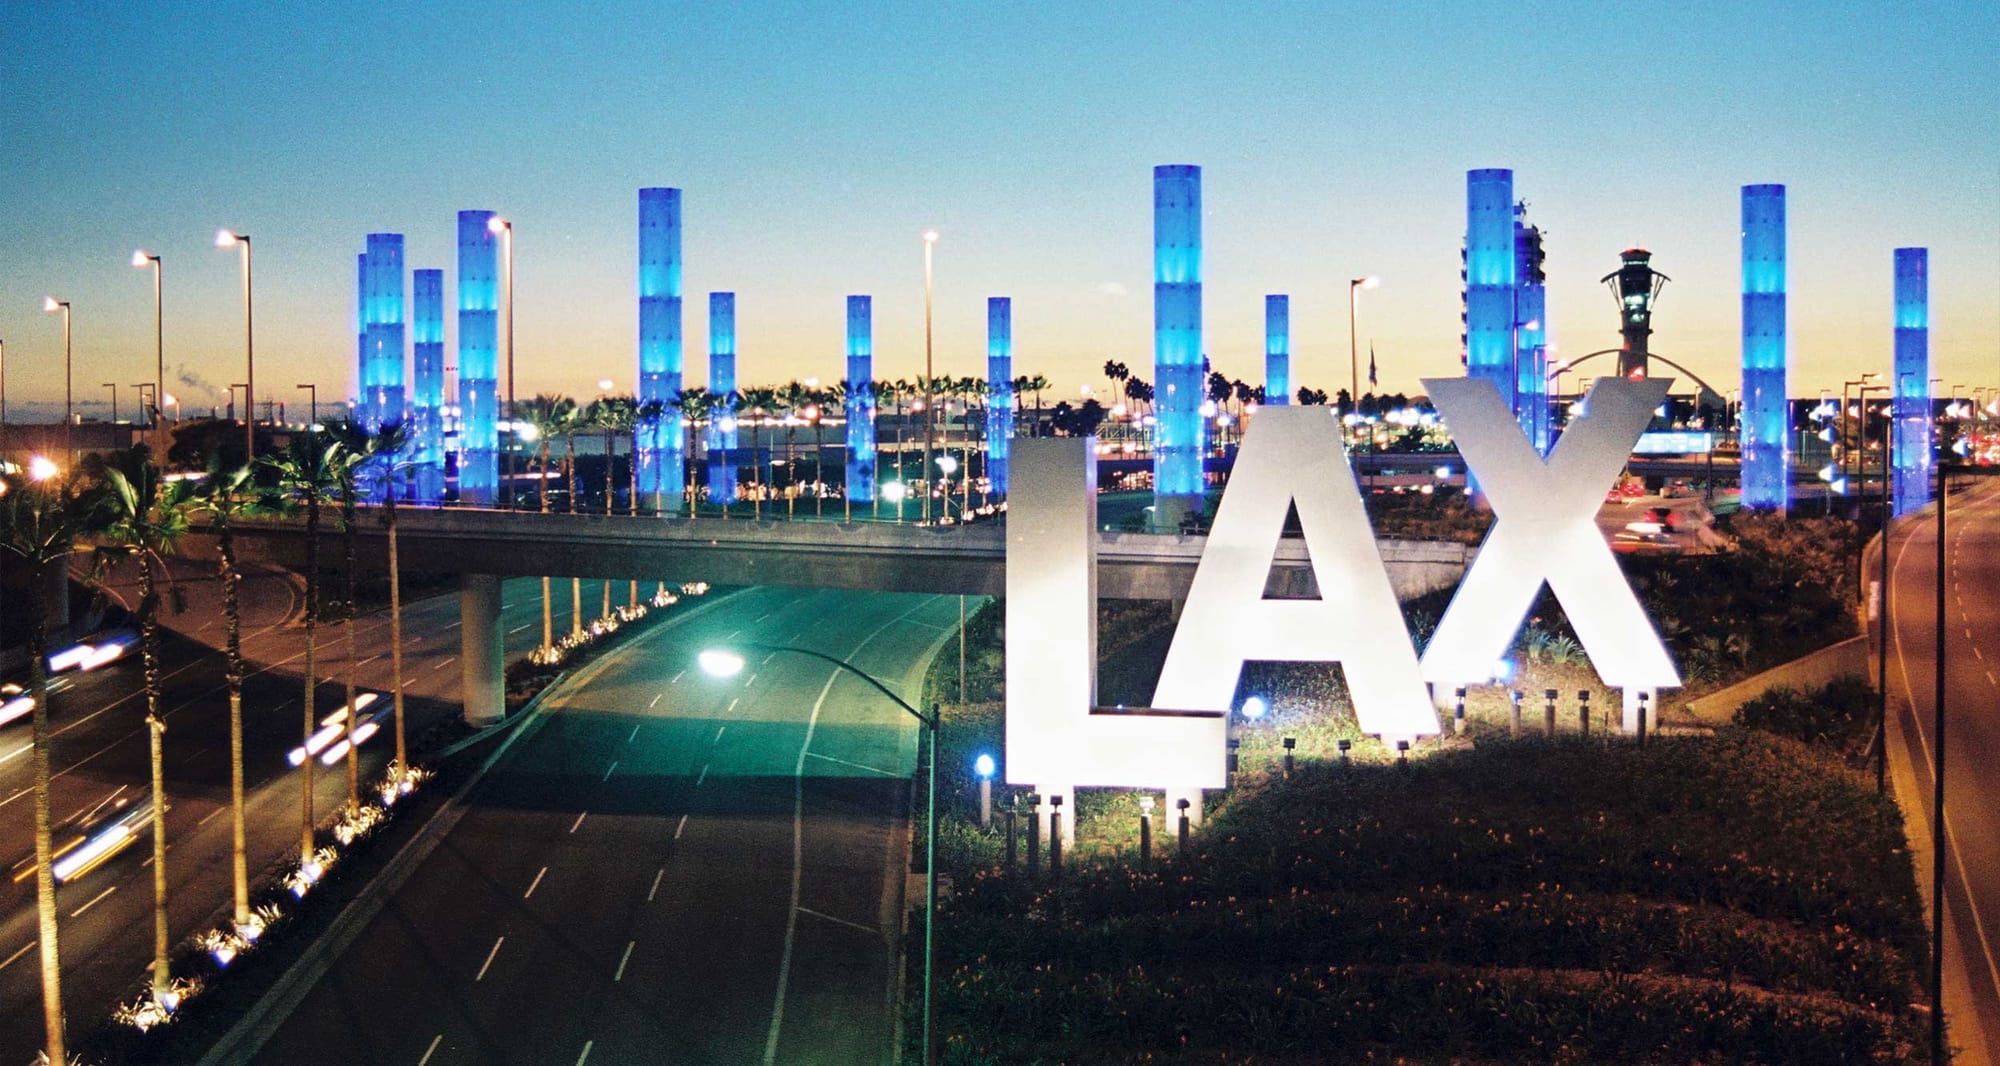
1972 740
99 752
673 868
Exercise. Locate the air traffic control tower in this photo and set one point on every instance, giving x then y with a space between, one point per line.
1636 286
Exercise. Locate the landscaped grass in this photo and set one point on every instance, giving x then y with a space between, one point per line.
1736 897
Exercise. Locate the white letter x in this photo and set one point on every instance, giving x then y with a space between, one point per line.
1545 527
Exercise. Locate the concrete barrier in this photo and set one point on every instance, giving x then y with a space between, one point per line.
1850 656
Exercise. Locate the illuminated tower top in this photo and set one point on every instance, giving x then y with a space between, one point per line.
1636 286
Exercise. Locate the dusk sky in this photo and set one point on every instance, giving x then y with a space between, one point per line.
815 144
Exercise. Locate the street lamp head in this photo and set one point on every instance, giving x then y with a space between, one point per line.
604 385
496 224
895 491
225 238
1254 708
984 765
930 236
948 464
52 305
1369 282
141 260
720 662
42 468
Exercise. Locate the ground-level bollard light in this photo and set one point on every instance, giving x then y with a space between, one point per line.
1034 837
1145 833
1290 743
1642 719
1514 713
984 768
1233 745
1549 722
1055 839
1009 814
1583 710
1458 714
1402 755
1183 805
1345 745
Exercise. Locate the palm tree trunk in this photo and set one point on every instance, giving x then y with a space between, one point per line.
548 609
232 616
45 880
353 656
402 767
791 471
312 683
149 643
633 469
610 467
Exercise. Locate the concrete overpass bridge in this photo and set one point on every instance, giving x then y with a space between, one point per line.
485 546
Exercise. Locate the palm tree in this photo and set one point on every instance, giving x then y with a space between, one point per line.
348 469
693 404
756 401
388 444
145 516
646 416
1034 383
615 415
793 398
226 494
39 522
305 474
551 416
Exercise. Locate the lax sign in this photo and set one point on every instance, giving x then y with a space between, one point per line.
1544 530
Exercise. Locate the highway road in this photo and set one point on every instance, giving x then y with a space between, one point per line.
1972 741
99 752
672 868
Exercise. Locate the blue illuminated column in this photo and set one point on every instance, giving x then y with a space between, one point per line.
1531 360
360 315
1913 380
381 370
1766 413
999 390
721 382
1489 279
478 362
860 399
426 421
1277 350
662 452
1178 489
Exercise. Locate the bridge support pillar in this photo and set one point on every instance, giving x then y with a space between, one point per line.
481 653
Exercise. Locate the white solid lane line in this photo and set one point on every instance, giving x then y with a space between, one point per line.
579 821
620 975
29 946
536 883
650 893
429 1051
94 901
489 960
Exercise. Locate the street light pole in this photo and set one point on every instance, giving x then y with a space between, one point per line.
3 401
52 305
143 259
223 239
930 382
725 662
1937 797
505 229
